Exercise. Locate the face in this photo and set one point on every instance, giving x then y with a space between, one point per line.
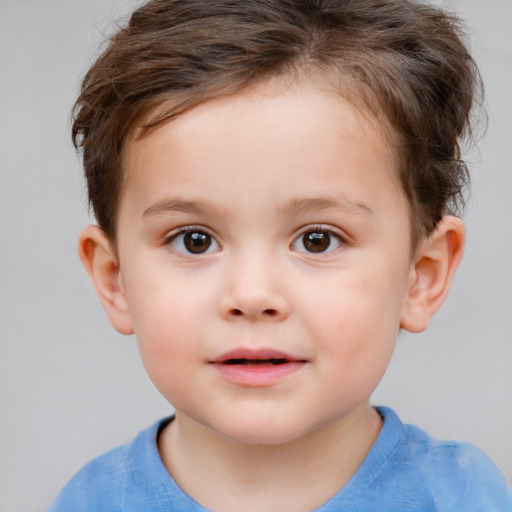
264 255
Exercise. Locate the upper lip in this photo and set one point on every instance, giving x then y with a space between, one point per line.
261 354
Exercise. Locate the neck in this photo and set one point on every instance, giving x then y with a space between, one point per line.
299 475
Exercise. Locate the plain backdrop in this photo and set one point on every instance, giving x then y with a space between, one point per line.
71 387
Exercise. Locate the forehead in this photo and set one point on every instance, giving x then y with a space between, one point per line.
288 142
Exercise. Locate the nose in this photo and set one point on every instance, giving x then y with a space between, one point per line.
253 291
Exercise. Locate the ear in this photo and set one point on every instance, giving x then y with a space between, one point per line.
431 274
100 260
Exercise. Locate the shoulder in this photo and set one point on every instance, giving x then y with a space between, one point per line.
462 477
458 476
101 484
96 486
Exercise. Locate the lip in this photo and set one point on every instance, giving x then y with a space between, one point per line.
256 367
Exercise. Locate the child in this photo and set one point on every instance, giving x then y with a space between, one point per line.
274 183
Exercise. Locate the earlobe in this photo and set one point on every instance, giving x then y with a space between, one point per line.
431 274
101 263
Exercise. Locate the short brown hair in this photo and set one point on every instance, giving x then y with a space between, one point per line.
407 62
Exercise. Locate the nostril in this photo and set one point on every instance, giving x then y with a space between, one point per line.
266 312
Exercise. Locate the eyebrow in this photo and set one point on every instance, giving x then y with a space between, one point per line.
292 207
172 205
317 204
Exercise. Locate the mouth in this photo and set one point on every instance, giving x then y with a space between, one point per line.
255 357
256 368
242 361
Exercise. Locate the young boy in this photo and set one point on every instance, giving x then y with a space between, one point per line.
274 183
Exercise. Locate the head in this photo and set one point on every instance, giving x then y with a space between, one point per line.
402 63
272 181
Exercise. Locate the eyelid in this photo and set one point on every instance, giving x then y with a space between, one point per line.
328 228
168 237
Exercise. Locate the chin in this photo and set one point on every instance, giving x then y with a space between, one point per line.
261 433
261 438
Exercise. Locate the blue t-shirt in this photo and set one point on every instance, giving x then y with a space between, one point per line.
405 470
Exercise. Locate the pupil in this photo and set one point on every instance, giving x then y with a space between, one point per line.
316 241
197 242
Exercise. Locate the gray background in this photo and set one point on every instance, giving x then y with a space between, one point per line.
71 387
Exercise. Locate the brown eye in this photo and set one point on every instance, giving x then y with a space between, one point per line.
197 242
317 241
194 241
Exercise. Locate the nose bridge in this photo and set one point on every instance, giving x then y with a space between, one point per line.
253 287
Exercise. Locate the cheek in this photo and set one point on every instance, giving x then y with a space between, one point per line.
163 304
355 325
168 327
167 324
168 348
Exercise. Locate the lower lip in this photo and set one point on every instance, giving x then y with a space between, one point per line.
257 375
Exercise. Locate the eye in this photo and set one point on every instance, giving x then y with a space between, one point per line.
317 240
193 241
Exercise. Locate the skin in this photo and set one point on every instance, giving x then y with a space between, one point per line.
253 173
